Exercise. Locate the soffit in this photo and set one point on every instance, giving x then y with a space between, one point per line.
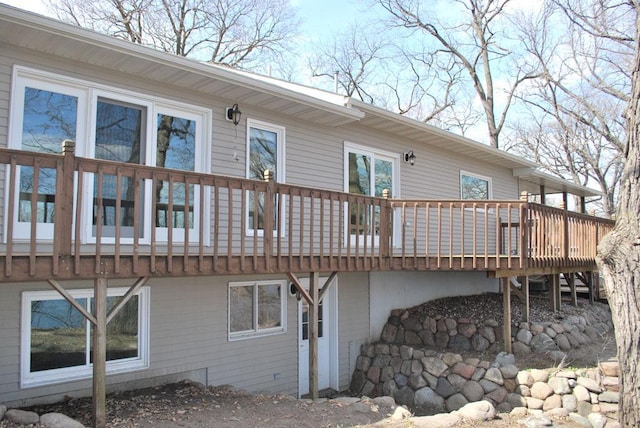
430 136
531 181
41 34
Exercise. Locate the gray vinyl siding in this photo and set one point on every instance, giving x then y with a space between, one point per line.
188 333
188 318
353 321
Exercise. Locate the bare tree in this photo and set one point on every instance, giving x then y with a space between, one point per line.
575 126
351 58
478 45
238 33
619 251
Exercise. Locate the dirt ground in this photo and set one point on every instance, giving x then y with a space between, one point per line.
187 404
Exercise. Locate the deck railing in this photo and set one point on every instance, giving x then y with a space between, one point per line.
73 217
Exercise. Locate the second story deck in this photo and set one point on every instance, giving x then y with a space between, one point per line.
92 218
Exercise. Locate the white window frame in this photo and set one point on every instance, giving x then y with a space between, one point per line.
255 332
88 93
22 78
479 177
67 374
280 132
395 181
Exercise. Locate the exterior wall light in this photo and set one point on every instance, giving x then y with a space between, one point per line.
234 114
410 157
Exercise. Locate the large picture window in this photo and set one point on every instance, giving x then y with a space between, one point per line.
474 187
56 338
111 124
256 308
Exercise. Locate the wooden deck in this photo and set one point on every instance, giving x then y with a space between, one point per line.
72 218
101 219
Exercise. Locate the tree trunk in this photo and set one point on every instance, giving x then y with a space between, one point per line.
619 261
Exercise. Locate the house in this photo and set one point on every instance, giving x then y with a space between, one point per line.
153 215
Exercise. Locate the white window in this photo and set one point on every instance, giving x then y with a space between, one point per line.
473 186
56 338
112 124
368 172
257 308
265 151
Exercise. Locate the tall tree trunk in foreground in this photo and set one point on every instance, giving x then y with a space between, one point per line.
619 260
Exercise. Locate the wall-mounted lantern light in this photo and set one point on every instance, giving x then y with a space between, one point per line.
410 157
234 114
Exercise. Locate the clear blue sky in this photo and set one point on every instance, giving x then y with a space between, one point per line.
321 17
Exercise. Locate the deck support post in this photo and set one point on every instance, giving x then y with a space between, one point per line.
524 283
99 352
571 281
313 335
589 277
554 292
506 304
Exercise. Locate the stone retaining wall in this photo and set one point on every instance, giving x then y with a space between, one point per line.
412 365
420 330
429 382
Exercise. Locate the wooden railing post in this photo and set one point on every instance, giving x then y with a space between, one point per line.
385 224
269 202
63 223
524 230
565 230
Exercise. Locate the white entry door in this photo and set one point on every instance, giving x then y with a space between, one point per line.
327 342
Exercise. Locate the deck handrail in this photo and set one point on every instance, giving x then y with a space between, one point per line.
111 211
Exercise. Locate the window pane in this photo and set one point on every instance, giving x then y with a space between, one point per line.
122 330
384 174
119 137
48 119
175 149
58 335
269 309
305 320
263 155
359 174
474 188
241 308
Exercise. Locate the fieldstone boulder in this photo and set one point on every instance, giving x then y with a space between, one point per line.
434 365
560 385
478 411
456 402
479 343
444 388
389 333
459 343
504 359
597 420
590 384
428 402
473 391
542 342
58 420
520 349
541 390
494 375
569 402
3 410
22 417
405 397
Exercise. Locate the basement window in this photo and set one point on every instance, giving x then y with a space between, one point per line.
257 309
56 338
